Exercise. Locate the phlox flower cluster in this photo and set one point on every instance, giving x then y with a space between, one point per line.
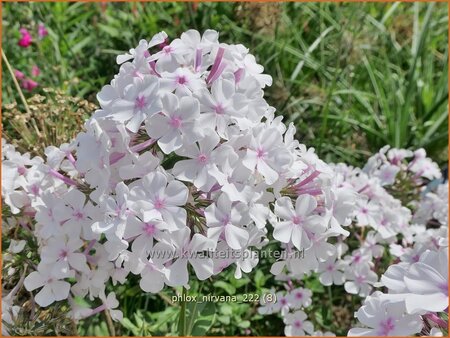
383 229
291 303
182 172
417 291
389 162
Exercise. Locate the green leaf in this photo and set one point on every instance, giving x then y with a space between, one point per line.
230 289
206 320
260 279
113 32
79 46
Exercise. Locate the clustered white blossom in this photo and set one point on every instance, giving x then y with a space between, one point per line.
415 235
184 164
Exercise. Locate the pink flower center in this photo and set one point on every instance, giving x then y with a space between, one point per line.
149 228
330 268
202 158
283 301
140 102
299 295
35 189
78 215
21 170
365 211
298 324
357 259
167 49
226 220
181 80
175 122
260 153
360 279
159 204
297 220
219 109
386 326
62 254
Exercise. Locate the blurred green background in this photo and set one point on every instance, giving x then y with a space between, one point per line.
352 77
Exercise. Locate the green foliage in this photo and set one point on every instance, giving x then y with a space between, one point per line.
352 77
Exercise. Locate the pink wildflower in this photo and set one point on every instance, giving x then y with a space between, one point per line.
26 39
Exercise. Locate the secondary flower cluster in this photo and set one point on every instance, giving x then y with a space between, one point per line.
381 225
184 158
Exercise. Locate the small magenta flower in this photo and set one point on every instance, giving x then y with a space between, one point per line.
29 84
35 71
19 75
42 31
26 38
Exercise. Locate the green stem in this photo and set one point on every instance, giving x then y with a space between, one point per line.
193 315
330 296
182 319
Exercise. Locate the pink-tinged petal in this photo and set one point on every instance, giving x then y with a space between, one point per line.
277 268
157 126
34 280
170 142
284 208
308 327
208 143
351 287
135 122
250 160
152 282
189 108
170 103
270 137
177 273
270 175
134 227
176 193
175 216
299 238
185 170
123 108
283 231
203 181
407 326
75 198
422 278
305 204
326 278
78 262
393 278
45 297
155 183
201 243
60 290
360 332
236 237
324 250
435 302
215 232
203 267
